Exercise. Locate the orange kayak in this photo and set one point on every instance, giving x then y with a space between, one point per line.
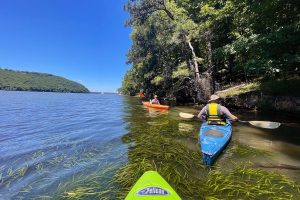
162 107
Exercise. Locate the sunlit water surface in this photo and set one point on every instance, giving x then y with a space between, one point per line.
48 139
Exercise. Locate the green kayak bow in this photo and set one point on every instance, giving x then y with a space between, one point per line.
151 186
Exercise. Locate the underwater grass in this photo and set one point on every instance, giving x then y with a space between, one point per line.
243 150
183 169
38 154
152 148
12 175
159 148
244 182
97 185
81 158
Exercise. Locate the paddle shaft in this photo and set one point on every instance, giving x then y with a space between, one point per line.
241 121
261 124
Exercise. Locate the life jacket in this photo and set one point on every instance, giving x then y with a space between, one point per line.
214 115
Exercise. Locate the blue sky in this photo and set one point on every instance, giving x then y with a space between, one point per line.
85 41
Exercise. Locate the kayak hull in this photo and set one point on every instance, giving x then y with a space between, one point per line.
156 106
151 186
213 140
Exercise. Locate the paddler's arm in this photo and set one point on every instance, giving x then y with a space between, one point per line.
202 113
227 113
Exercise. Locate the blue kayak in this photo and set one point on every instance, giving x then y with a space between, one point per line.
213 140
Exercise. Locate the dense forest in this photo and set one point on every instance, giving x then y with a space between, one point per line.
185 50
32 81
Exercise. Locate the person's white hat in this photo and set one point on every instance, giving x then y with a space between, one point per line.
213 97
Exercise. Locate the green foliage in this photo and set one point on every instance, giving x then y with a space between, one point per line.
182 70
32 81
157 80
129 85
265 36
247 39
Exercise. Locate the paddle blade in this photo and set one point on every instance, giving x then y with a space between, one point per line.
265 124
186 115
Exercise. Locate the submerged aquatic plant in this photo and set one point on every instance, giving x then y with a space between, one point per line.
242 150
39 167
21 172
156 149
38 154
159 148
97 185
244 182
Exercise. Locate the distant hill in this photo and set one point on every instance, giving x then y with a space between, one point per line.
33 81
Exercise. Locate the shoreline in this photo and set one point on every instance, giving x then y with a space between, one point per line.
1 90
267 96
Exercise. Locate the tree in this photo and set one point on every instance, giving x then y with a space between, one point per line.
182 49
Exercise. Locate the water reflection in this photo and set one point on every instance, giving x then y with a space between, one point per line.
152 112
285 147
184 127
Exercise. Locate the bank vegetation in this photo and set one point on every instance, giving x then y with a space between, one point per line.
186 50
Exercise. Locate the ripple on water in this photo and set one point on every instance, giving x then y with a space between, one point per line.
47 138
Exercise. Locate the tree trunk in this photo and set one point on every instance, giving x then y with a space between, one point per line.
202 82
167 11
197 75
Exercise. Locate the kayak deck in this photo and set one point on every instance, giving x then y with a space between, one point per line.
151 186
213 140
157 106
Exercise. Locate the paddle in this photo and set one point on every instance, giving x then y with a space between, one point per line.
263 124
260 124
186 115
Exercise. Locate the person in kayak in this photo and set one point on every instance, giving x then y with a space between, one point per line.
142 94
155 100
214 113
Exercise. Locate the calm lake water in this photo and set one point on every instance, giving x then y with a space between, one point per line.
51 142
